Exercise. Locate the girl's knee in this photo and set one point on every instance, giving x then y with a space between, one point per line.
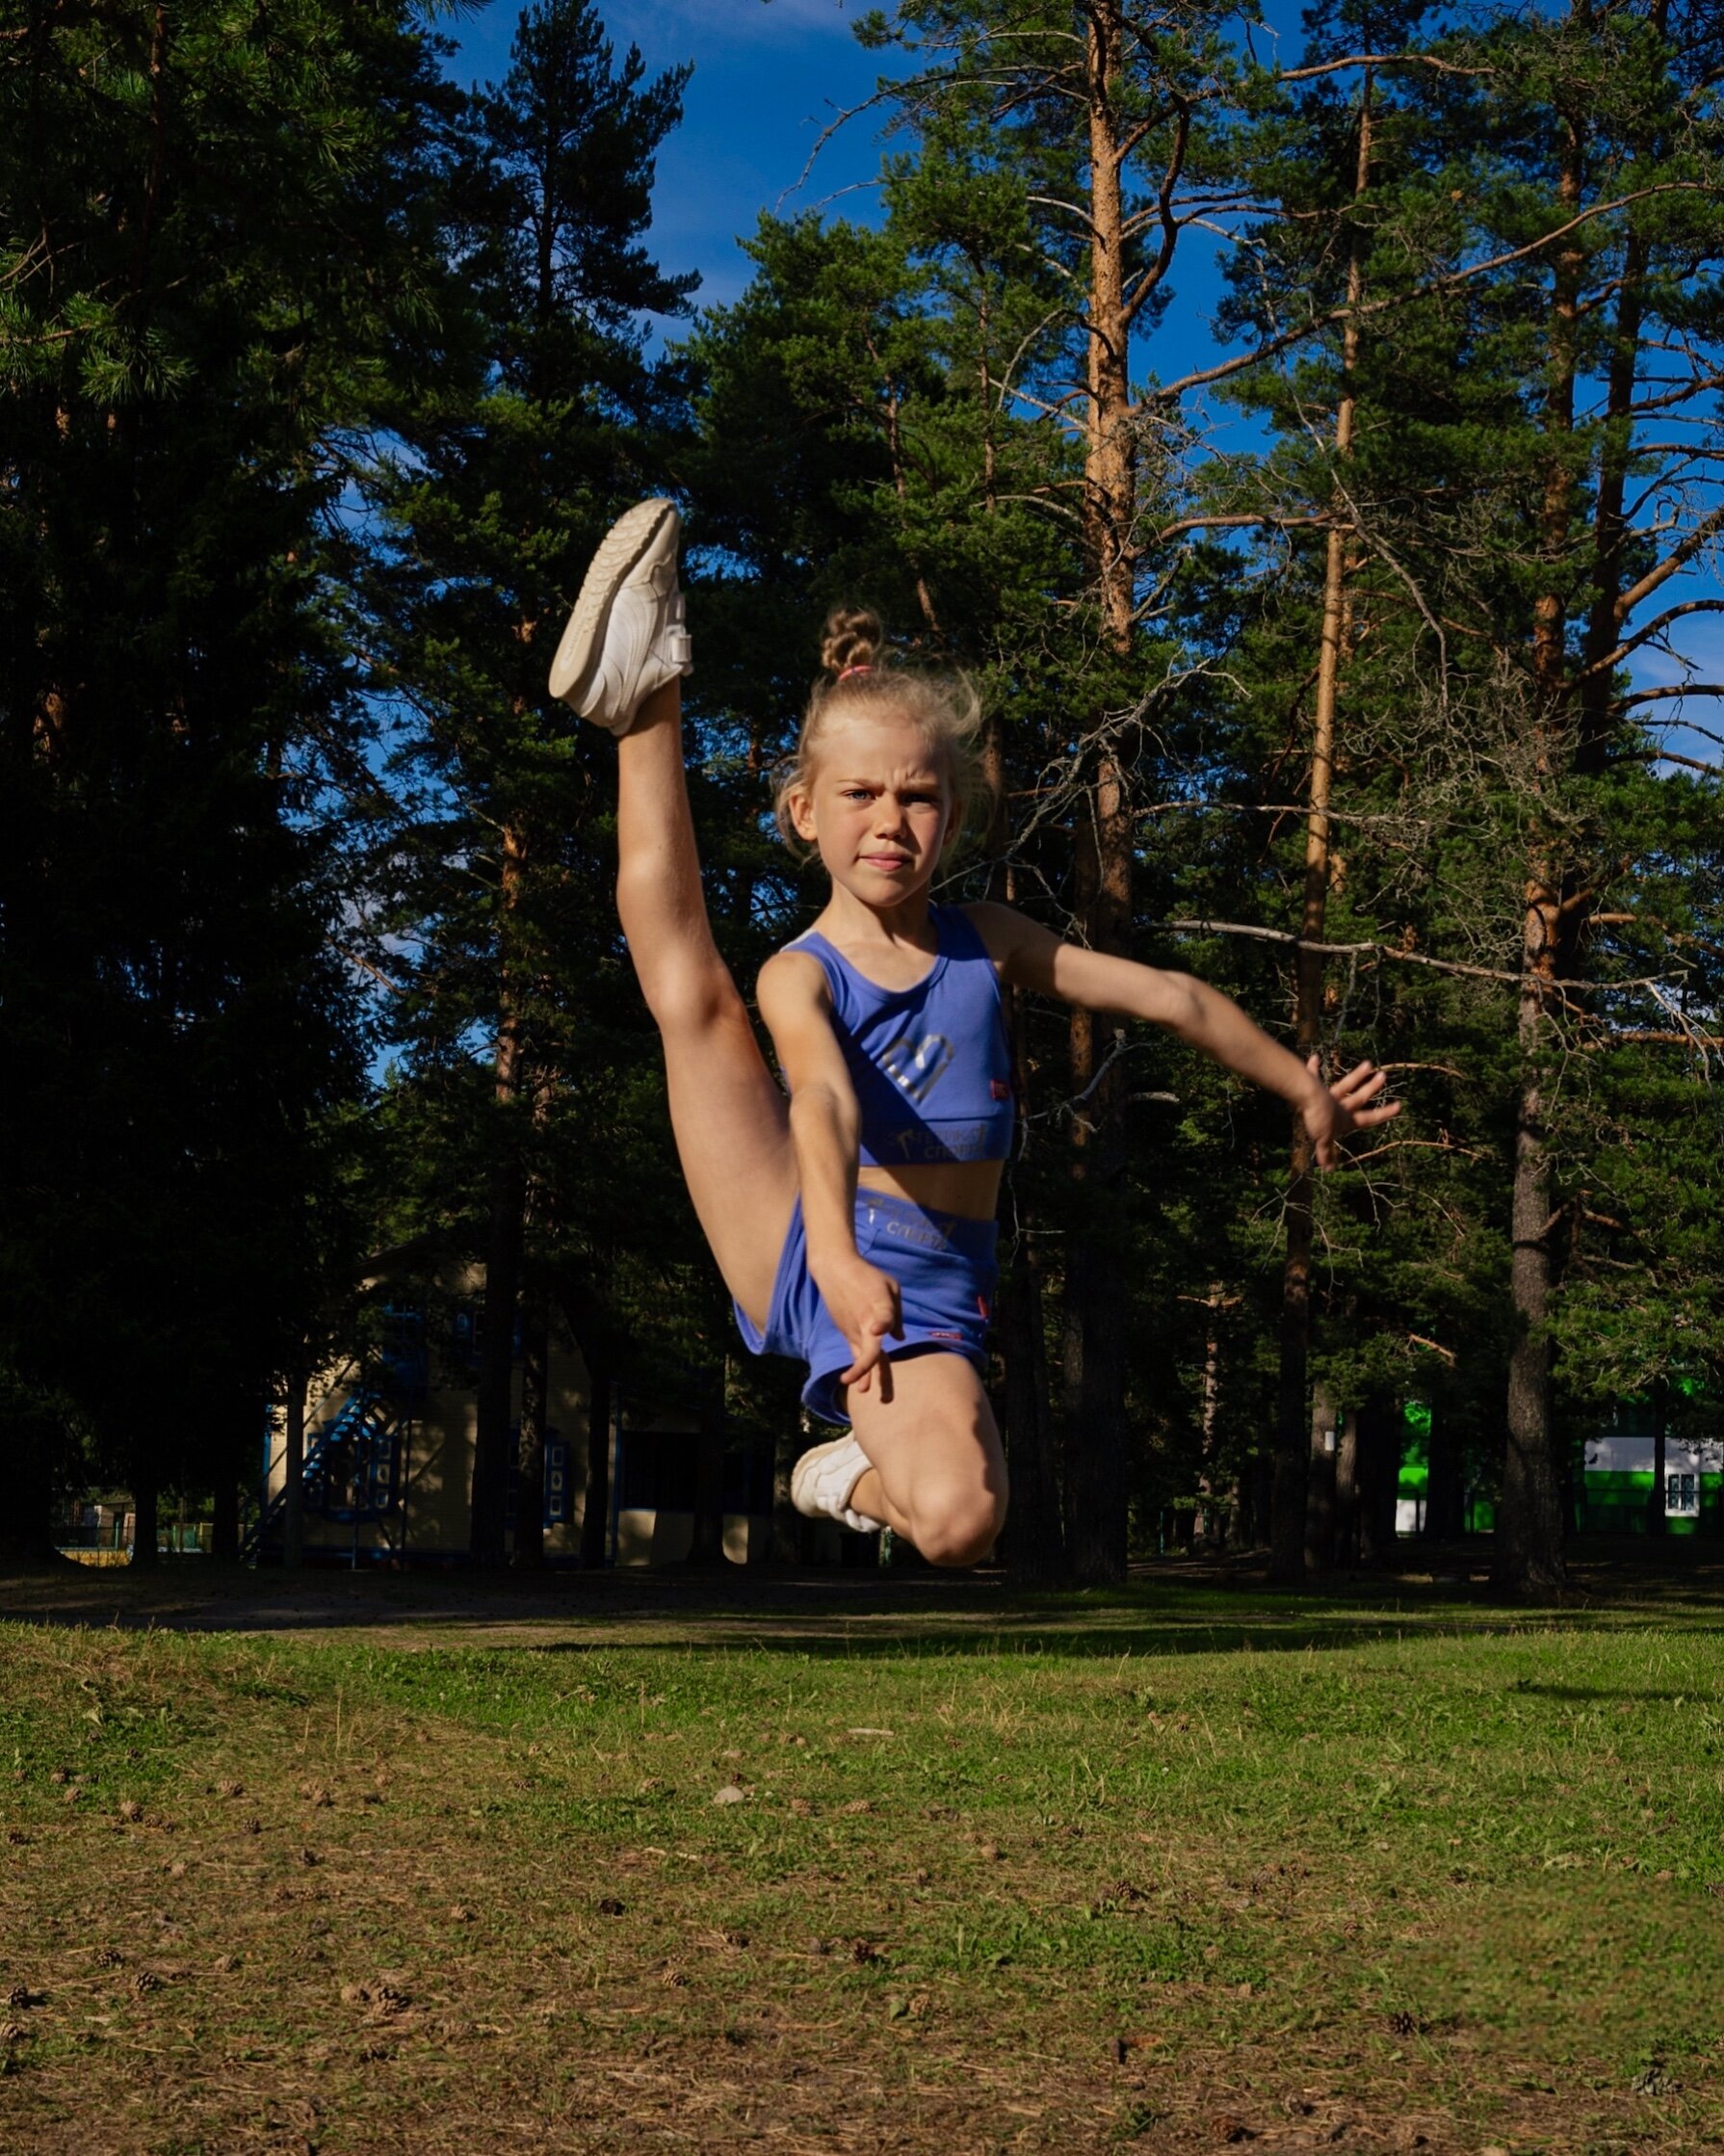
960 1530
690 992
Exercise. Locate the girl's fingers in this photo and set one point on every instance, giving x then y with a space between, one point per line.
870 1348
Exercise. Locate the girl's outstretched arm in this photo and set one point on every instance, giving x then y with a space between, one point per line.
826 1128
1032 957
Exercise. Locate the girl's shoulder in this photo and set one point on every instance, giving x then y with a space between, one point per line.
1001 929
809 956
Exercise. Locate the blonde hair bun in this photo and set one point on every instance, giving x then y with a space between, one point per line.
863 681
854 639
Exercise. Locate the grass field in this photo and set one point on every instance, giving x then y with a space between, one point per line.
1175 1868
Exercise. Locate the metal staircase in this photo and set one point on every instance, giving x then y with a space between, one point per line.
352 1461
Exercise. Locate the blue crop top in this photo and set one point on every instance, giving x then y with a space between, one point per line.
930 1064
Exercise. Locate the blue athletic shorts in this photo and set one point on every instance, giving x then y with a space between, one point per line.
944 1270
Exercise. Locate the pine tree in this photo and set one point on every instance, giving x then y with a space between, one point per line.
213 271
505 484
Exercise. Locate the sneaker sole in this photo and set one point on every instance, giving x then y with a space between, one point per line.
582 644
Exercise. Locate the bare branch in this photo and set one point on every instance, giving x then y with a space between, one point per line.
1680 689
1166 392
1390 951
1679 557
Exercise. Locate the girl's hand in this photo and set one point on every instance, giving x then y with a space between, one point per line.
1333 1112
865 1306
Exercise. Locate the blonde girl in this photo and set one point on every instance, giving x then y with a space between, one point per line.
852 1210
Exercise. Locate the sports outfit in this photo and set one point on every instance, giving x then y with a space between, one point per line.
930 1063
931 1069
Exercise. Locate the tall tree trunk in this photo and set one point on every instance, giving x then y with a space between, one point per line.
1379 1479
1346 1489
27 1444
587 1322
224 1520
293 1468
1296 1546
787 1521
1034 1548
506 1235
1034 1540
1657 1520
706 1546
529 1553
1213 1515
1441 1477
1097 1431
146 1522
1530 1522
1320 1506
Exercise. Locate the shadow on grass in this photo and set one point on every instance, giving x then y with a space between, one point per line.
1169 1609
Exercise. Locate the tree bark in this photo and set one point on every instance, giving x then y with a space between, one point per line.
1298 1545
1658 1522
505 1236
293 1468
146 1522
787 1521
1530 1522
1034 1541
586 1320
706 1546
1379 1477
27 1517
1097 1431
1346 1489
1034 1548
224 1520
528 1552
1320 1492
1212 1514
1442 1477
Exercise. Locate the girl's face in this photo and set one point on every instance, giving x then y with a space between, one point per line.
878 806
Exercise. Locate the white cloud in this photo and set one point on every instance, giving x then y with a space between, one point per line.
656 26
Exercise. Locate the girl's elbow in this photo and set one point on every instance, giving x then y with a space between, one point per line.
821 1104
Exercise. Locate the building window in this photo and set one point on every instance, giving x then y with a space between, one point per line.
558 1485
559 1509
1682 1496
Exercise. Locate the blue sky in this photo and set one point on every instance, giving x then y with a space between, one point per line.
769 76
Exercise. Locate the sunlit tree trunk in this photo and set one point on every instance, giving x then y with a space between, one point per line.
1097 1436
1035 1542
1294 1548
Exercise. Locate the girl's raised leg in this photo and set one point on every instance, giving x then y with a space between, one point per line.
731 1120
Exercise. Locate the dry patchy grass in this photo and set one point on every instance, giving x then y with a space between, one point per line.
1412 1884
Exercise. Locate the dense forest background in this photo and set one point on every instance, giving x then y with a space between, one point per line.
321 375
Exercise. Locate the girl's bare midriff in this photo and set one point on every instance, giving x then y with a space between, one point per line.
969 1189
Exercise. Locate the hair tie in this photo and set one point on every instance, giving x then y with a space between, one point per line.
848 670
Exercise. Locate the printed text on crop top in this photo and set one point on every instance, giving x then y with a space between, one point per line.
930 1064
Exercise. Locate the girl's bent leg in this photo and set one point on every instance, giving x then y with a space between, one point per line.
938 1469
731 1122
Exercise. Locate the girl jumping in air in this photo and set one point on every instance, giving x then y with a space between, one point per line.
853 1222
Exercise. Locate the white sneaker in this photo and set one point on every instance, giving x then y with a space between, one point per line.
625 636
822 1482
